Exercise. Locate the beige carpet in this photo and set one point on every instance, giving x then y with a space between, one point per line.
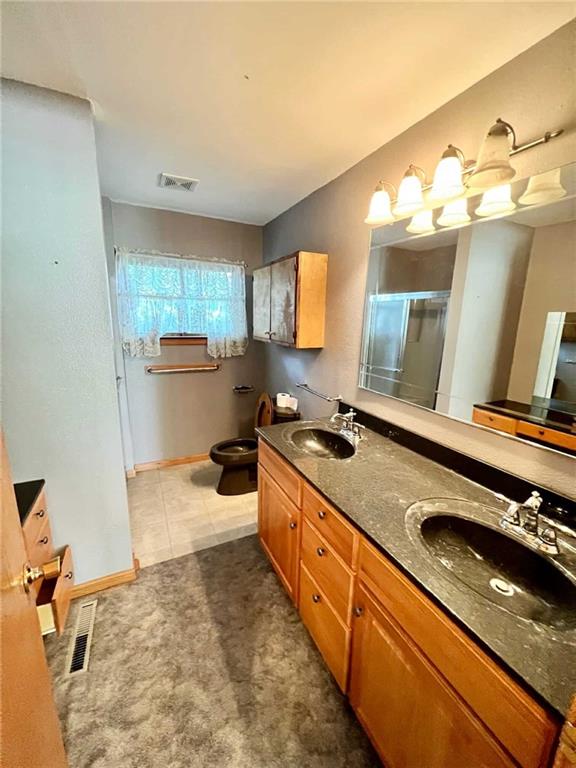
204 663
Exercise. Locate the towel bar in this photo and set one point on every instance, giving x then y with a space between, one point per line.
182 368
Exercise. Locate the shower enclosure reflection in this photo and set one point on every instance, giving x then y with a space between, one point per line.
404 345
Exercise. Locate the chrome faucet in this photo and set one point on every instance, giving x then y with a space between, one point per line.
545 540
349 428
532 507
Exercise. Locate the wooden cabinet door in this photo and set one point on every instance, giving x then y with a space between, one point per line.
283 301
261 303
412 716
278 528
30 727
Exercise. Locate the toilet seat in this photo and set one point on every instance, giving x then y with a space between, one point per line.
241 450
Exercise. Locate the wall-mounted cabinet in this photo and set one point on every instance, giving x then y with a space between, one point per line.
290 300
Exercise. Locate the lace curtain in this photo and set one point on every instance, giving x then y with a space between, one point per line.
166 294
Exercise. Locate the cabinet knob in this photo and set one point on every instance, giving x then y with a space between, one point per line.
320 551
358 611
293 524
315 598
68 575
43 540
40 513
322 514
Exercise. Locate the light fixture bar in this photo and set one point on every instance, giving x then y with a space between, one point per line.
542 140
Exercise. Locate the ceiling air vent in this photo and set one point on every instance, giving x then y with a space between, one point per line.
177 182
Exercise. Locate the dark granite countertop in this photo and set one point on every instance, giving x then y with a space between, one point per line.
553 414
373 489
26 495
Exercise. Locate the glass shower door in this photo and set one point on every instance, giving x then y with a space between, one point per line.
403 344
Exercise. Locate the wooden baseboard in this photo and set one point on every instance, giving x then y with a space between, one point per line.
130 473
170 462
105 582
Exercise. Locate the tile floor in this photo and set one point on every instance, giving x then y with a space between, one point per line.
176 510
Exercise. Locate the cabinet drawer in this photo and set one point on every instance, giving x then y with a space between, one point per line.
519 723
281 472
328 570
494 420
552 436
37 516
330 635
331 525
39 550
53 599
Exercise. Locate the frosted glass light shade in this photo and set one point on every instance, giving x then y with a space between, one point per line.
493 166
455 213
447 182
543 188
410 197
421 223
380 211
497 200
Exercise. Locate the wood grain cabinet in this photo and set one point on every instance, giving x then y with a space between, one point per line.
411 715
426 694
52 595
289 297
279 529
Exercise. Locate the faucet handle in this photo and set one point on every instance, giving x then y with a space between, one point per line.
512 514
533 501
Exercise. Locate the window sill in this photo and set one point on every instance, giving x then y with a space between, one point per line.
173 341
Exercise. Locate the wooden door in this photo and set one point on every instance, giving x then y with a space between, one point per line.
278 523
261 303
283 301
411 714
30 728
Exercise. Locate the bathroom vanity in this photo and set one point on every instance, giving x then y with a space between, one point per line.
438 673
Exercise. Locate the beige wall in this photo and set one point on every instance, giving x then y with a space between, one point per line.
182 415
535 92
60 410
550 287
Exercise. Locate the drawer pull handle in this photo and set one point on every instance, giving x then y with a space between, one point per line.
322 514
315 598
358 611
68 575
293 525
320 551
40 513
43 540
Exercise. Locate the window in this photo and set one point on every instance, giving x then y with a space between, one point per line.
159 295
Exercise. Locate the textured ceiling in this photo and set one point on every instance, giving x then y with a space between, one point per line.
262 102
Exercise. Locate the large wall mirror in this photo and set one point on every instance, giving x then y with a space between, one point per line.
478 322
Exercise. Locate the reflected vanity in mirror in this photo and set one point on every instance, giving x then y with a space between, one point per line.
478 321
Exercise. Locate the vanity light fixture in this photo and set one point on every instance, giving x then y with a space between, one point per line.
410 197
448 182
380 205
543 188
421 223
493 166
455 213
491 170
495 201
